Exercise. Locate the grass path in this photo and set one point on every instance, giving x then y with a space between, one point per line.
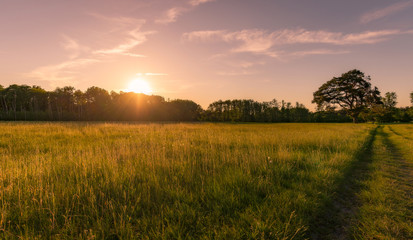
387 202
336 216
375 197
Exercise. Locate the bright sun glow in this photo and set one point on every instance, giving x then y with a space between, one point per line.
139 86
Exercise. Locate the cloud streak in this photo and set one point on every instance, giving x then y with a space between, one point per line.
257 40
384 12
135 38
73 47
129 29
198 2
130 36
60 73
319 52
171 15
264 42
118 21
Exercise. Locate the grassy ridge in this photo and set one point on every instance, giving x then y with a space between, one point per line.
201 181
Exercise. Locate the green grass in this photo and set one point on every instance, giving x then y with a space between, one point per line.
386 211
187 181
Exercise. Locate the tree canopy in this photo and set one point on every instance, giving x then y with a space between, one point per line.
352 92
411 98
390 100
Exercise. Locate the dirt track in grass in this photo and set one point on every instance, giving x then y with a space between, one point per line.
375 198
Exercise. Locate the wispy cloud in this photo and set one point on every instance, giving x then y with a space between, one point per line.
384 12
252 40
198 2
119 23
214 35
129 30
62 73
171 15
135 38
336 38
264 42
318 52
244 64
73 47
129 36
258 40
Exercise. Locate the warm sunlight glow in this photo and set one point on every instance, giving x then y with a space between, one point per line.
139 86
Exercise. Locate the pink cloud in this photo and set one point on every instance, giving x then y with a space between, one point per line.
263 42
198 2
129 36
135 38
336 38
171 15
318 52
62 73
73 46
384 12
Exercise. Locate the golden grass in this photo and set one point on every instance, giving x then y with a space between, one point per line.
170 181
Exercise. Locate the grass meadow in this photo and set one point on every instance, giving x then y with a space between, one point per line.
205 181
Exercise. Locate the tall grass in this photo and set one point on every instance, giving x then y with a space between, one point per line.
169 181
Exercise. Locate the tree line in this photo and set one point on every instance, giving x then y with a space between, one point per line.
22 102
272 111
343 99
33 103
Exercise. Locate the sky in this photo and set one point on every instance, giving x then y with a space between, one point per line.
207 50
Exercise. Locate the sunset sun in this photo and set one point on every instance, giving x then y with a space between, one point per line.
139 85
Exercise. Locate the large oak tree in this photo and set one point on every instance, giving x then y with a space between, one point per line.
352 91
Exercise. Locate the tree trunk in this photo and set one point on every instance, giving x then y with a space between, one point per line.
355 119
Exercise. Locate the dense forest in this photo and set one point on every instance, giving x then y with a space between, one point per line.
22 102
